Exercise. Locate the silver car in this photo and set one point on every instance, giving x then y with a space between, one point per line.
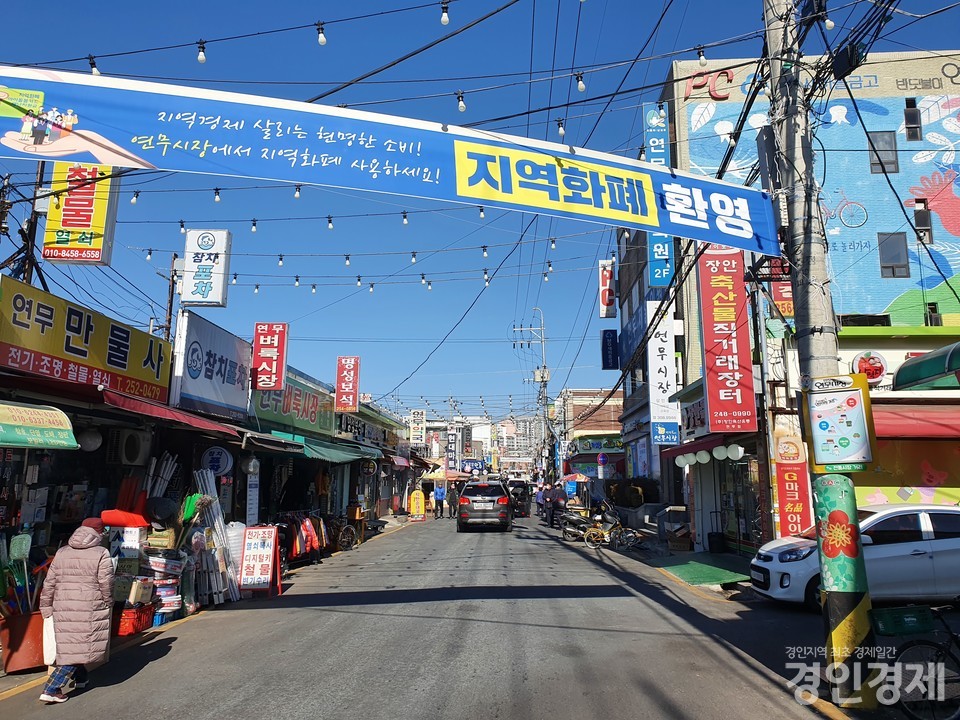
485 502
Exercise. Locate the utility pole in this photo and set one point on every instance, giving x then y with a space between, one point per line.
844 592
541 376
171 291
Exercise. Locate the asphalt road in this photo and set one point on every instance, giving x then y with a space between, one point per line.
429 623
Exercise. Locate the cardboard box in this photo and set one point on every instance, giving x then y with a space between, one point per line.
162 539
141 591
122 585
128 537
128 566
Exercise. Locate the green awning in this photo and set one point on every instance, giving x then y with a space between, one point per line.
933 370
365 451
331 452
35 426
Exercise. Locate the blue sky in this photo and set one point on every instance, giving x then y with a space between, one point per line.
395 328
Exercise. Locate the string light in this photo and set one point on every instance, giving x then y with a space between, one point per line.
703 58
613 255
560 128
461 105
280 261
549 266
93 65
485 251
413 258
330 224
216 194
149 254
553 243
626 234
486 276
234 281
256 289
405 221
444 15
359 282
481 213
346 260
828 23
183 228
430 285
423 279
296 281
136 194
545 278
660 110
201 54
581 85
296 193
313 289
321 38
643 153
486 282
371 287
253 225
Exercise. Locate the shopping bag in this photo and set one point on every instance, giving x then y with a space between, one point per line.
49 642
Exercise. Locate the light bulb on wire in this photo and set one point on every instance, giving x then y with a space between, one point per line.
321 38
94 70
430 285
216 194
560 128
296 193
444 15
371 287
703 58
359 282
149 254
461 105
234 281
413 258
481 213
405 221
313 289
253 225
829 24
346 260
201 52
330 223
486 275
660 110
546 278
581 85
296 281
485 254
256 289
549 266
136 194
280 261
423 279
183 228
553 243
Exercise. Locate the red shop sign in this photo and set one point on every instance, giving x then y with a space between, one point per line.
348 384
725 330
269 355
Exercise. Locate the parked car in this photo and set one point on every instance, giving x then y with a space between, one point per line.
912 552
485 503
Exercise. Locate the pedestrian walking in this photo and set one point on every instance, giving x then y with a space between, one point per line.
548 503
540 501
440 494
558 501
78 595
453 501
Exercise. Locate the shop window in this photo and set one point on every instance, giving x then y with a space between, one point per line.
883 152
945 525
911 120
894 261
933 318
896 529
921 221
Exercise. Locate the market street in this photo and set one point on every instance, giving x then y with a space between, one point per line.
430 623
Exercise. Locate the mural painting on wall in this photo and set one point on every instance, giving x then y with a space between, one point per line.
855 202
912 472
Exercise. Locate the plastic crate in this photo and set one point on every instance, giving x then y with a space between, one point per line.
914 619
131 621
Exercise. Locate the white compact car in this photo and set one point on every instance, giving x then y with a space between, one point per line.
912 552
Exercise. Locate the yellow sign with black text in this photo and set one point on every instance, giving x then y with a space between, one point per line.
82 214
41 334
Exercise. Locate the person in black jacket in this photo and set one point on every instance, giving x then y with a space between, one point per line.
558 498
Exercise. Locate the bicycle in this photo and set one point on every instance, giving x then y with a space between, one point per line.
851 213
345 533
610 531
933 693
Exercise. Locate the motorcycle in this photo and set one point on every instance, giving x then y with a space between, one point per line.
573 526
609 531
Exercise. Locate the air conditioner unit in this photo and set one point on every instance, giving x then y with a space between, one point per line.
128 447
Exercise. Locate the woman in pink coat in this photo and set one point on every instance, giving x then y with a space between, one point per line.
78 594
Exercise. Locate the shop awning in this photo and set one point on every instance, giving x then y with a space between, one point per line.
366 451
917 421
163 412
333 453
936 369
35 426
706 443
398 461
270 443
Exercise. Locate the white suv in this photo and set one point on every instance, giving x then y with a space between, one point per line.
912 552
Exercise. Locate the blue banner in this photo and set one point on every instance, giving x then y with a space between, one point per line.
128 123
610 350
656 138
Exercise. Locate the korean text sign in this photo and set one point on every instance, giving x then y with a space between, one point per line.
725 329
82 216
608 295
258 557
662 378
41 334
168 127
269 355
794 497
838 415
303 404
348 384
206 263
418 427
656 137
211 369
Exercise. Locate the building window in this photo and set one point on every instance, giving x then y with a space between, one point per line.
921 221
894 262
883 152
911 121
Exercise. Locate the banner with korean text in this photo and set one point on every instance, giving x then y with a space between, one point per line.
130 123
304 404
656 138
82 215
347 384
607 292
269 355
725 332
41 334
794 496
418 427
211 372
206 263
662 378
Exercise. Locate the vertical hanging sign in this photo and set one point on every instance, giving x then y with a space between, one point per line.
83 214
269 355
418 427
206 262
656 138
348 384
727 364
793 485
608 296
662 378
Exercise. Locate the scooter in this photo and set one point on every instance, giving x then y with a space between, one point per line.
573 525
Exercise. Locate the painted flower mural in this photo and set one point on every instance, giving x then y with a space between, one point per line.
838 535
